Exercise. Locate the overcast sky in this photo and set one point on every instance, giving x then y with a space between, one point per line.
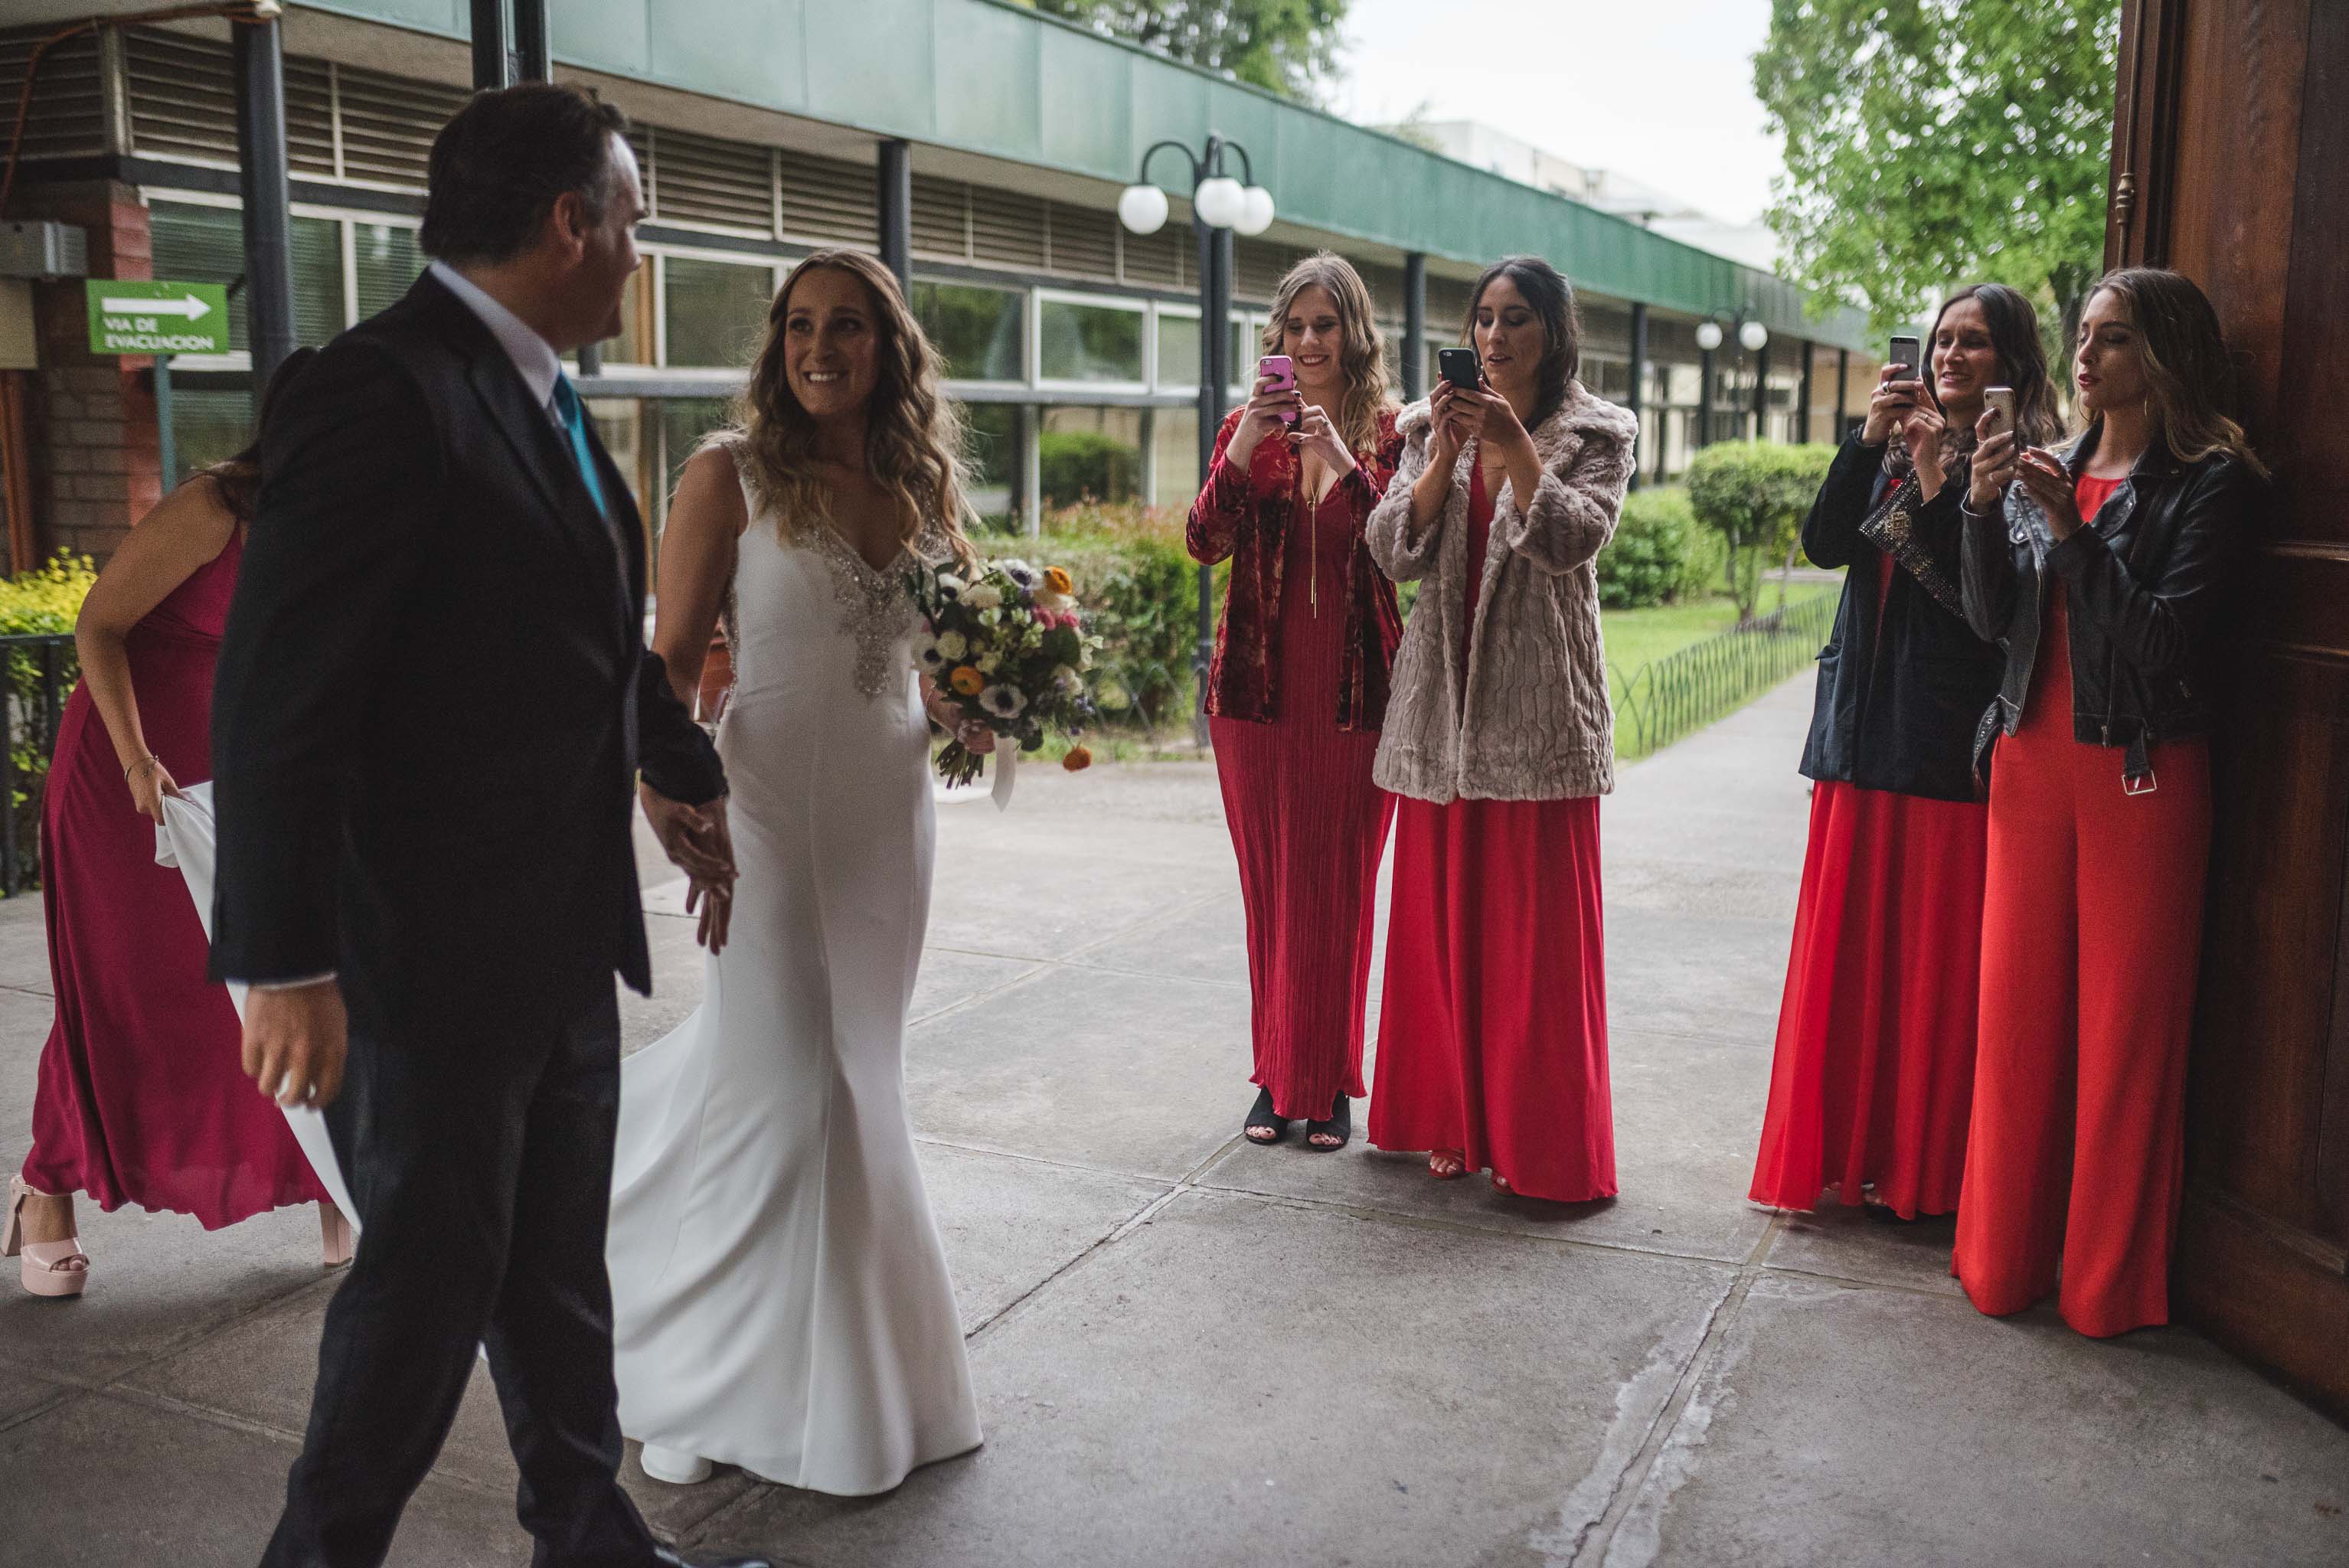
1660 89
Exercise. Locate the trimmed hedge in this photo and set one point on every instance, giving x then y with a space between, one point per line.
1754 495
1139 589
1658 555
1081 466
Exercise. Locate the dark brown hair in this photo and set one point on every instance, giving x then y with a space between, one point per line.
499 164
237 480
2021 358
1552 298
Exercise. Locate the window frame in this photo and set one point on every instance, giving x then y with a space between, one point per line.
1039 298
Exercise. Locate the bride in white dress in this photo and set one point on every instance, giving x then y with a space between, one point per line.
781 1296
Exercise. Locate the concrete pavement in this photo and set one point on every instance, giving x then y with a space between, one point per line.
1193 1351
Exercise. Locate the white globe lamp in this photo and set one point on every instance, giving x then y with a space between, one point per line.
1256 211
1708 336
1754 337
1219 201
1142 209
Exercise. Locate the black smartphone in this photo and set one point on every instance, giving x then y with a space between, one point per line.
1907 351
1459 366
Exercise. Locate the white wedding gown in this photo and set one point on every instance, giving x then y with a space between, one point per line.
781 1296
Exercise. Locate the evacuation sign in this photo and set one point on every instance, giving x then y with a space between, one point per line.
157 318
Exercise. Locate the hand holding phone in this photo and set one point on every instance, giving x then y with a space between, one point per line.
1909 352
1278 373
1998 410
1460 367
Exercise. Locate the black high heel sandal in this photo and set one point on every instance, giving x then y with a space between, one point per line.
1338 1124
1261 1114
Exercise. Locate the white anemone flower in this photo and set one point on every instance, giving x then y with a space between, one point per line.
1002 701
951 585
928 655
952 645
1020 571
986 596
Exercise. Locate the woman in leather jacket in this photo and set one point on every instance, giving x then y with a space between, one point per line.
2097 570
1871 1086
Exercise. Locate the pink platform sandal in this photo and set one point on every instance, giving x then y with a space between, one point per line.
335 1246
50 1268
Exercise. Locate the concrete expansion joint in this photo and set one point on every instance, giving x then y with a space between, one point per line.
1595 1545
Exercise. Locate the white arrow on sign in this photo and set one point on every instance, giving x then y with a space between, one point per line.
187 305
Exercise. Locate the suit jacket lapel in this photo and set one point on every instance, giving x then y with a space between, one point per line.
540 449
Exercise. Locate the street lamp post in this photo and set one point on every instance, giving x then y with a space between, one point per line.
1752 338
1220 206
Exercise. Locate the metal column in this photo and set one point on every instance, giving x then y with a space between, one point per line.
1761 390
1843 390
1215 375
261 169
1705 395
1640 383
534 44
1810 352
1414 327
492 66
894 179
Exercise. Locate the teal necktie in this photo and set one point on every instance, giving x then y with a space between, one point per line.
574 430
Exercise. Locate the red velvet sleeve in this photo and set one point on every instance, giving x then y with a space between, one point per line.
1216 517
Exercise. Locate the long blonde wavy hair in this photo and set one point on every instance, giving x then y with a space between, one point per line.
1361 352
915 441
2185 366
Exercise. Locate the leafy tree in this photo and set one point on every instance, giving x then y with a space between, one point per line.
1288 46
1930 142
1754 494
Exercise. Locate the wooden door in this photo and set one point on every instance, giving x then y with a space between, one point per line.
2231 163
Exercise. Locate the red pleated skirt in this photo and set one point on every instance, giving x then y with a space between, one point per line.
1873 1081
1493 1029
1308 826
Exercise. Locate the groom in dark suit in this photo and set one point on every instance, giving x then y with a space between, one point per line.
433 697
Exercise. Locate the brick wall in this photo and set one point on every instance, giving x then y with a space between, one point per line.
97 463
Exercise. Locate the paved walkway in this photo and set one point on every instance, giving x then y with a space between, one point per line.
1193 1351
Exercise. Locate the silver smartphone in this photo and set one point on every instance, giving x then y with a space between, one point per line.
1909 352
1998 402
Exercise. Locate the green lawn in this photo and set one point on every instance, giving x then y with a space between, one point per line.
1637 637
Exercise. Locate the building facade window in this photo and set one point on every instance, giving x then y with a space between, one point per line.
980 333
1084 341
385 260
712 312
994 436
206 244
1089 454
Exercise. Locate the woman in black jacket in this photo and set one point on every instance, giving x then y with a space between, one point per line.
1872 1083
2098 569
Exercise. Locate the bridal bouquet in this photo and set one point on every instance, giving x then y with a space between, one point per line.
1006 645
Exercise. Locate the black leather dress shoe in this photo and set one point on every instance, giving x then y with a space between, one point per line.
663 1556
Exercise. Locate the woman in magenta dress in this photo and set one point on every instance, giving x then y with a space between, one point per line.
1492 1033
1872 1084
1298 689
141 1098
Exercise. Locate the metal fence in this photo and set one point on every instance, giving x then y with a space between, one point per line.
41 673
1683 692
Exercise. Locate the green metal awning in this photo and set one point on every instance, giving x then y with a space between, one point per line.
974 74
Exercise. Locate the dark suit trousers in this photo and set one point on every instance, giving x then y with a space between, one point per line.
482 1172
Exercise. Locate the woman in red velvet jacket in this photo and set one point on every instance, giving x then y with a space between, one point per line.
1299 688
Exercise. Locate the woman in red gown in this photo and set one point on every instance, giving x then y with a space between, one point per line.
141 1098
1493 1032
1873 1080
2101 570
1298 689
